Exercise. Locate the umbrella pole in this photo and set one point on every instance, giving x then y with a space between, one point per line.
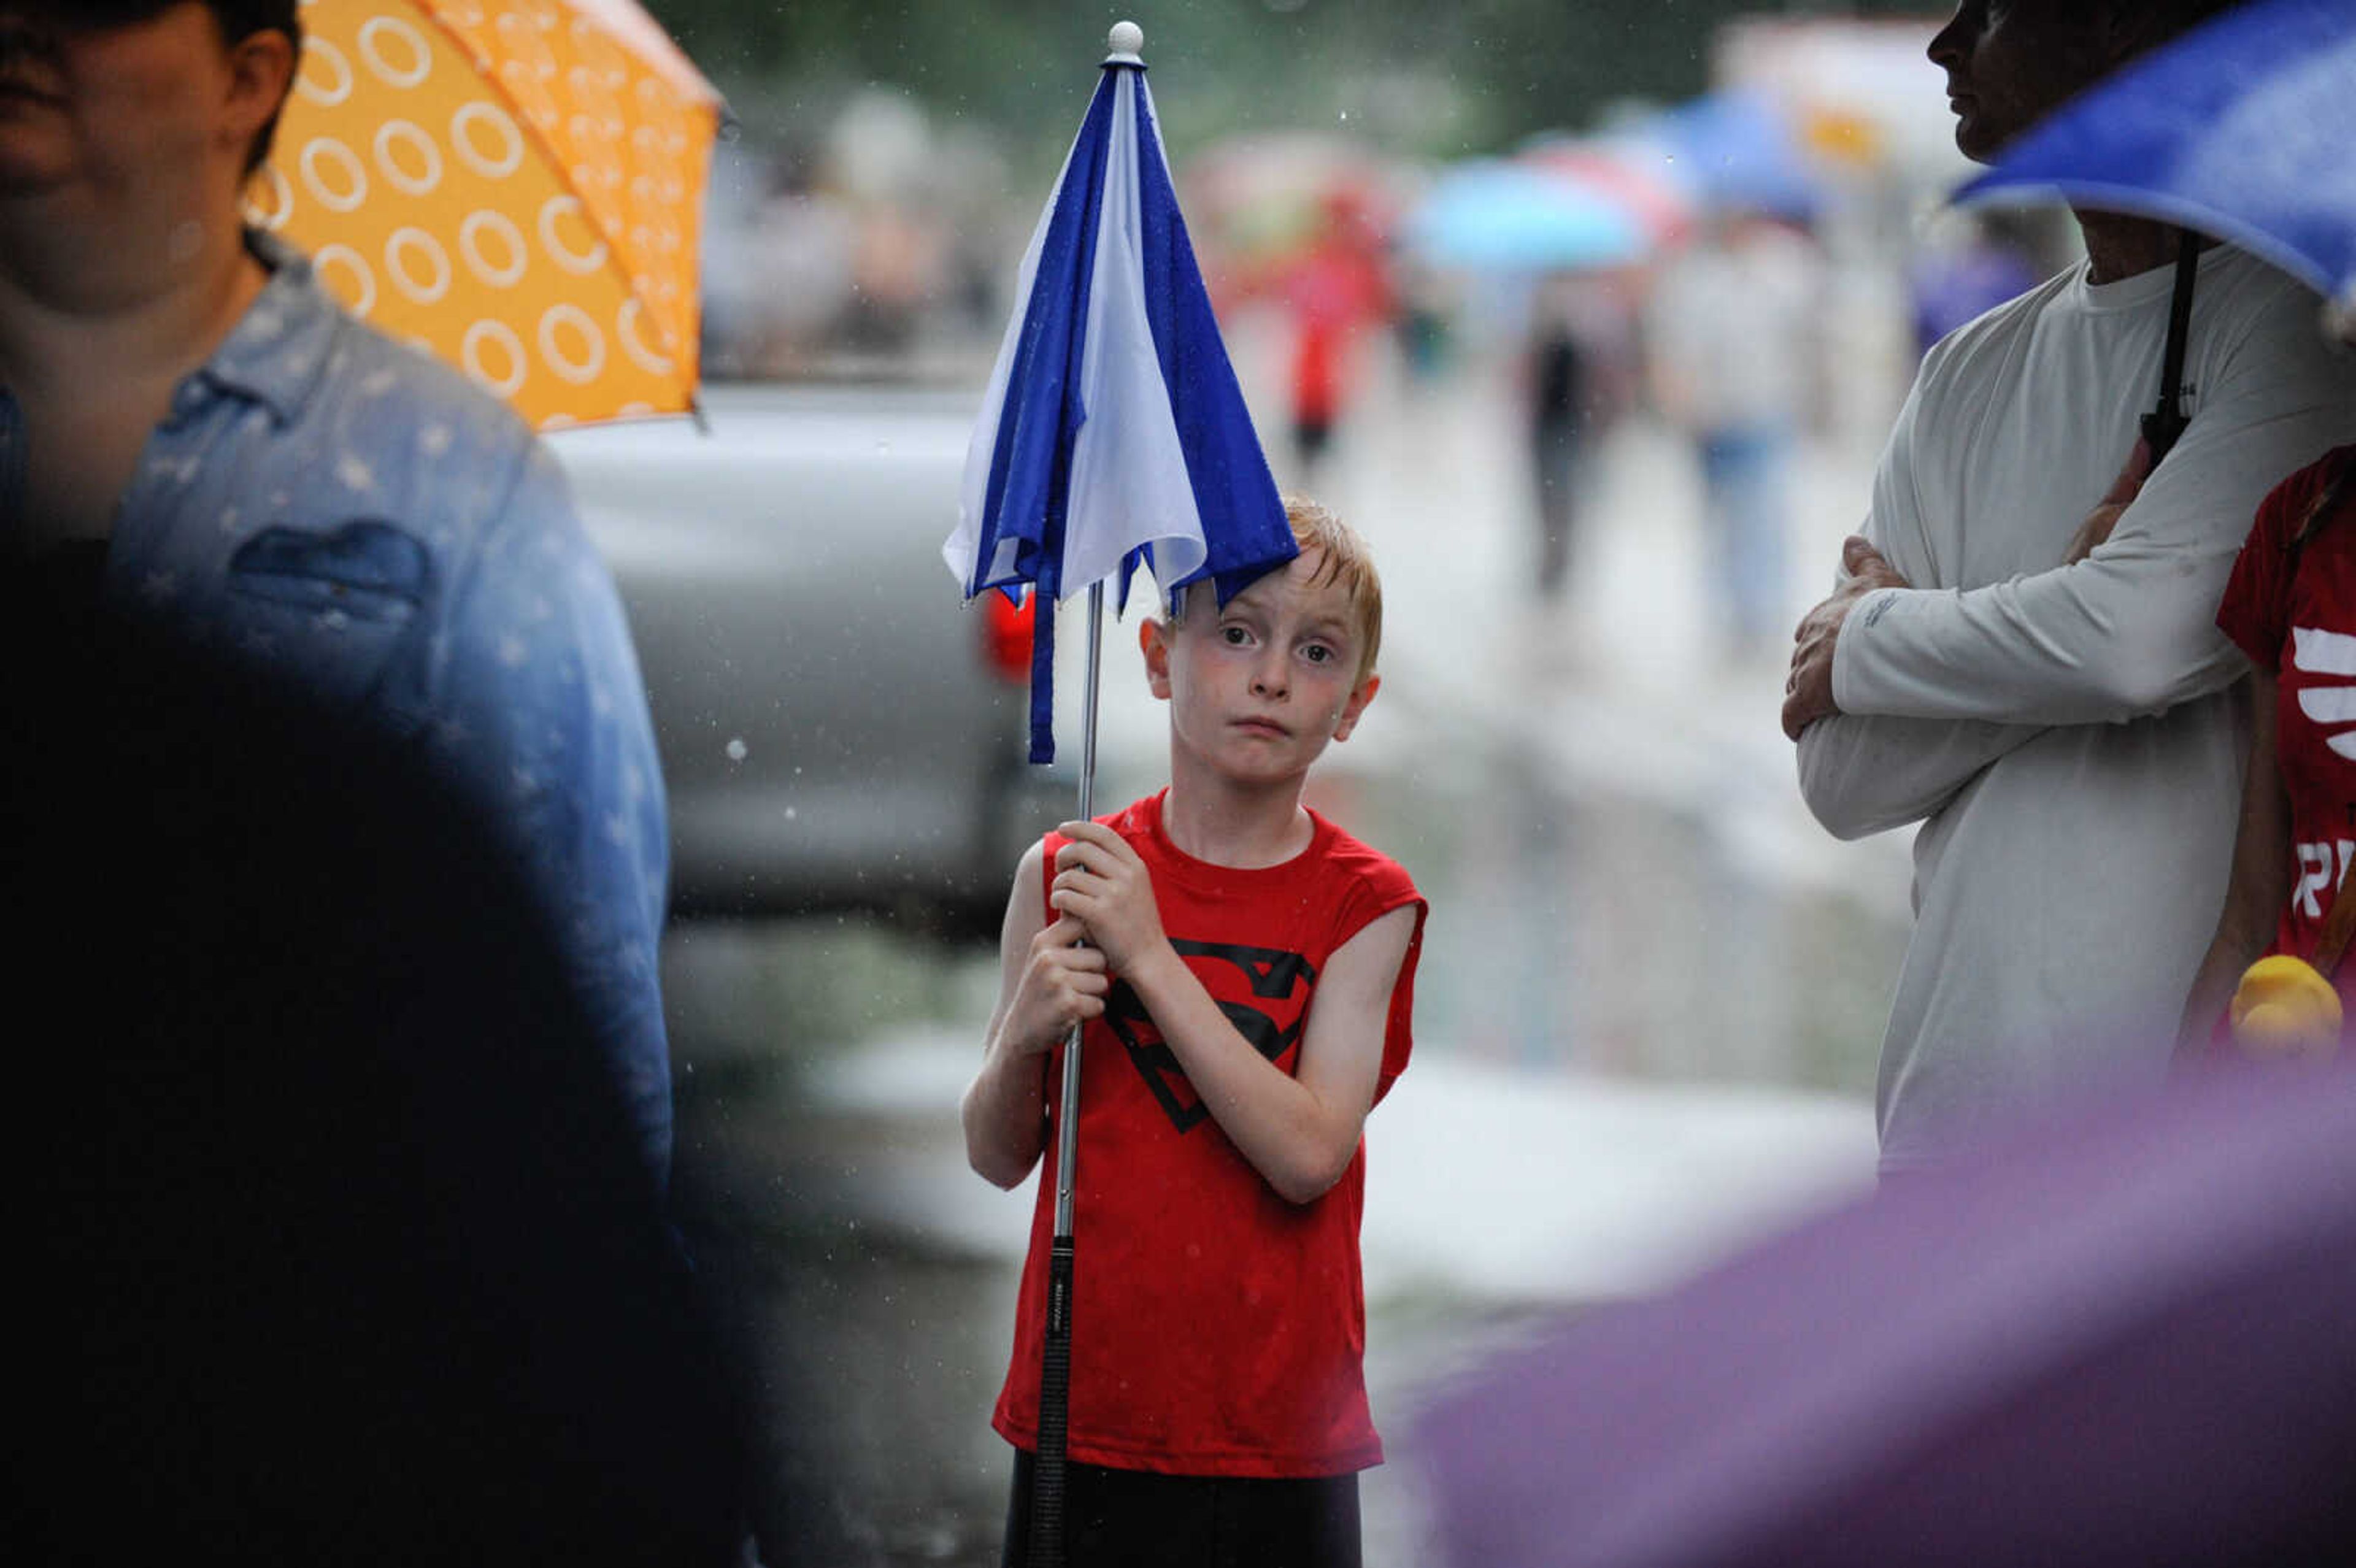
1055 1359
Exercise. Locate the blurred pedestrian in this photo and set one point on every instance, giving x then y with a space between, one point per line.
1583 351
230 458
1954 283
1559 375
2021 653
1334 290
1733 328
1244 972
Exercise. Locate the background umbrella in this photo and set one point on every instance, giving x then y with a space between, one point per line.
2124 1341
1737 151
1113 435
1512 216
515 184
1620 174
2239 129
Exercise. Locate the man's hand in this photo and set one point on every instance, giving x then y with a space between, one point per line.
1063 985
1808 692
1101 883
2105 515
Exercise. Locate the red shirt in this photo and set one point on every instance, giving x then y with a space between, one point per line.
1217 1328
2296 617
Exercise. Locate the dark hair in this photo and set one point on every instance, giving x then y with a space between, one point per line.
2325 504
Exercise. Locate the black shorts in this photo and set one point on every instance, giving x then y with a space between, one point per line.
1137 1519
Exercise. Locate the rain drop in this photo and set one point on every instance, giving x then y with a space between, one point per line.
737 749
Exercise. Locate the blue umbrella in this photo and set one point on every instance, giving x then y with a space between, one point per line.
1113 435
1508 215
1735 150
2240 129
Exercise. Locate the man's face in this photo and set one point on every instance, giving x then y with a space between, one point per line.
114 107
2011 62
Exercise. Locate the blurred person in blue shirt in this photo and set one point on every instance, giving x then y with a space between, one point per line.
193 433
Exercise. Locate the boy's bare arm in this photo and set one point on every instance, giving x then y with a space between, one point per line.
1299 1133
1047 982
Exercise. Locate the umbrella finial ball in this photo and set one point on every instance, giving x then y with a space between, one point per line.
1127 39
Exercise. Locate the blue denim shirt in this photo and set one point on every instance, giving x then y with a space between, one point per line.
342 510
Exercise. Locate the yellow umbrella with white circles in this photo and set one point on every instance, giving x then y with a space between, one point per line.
517 185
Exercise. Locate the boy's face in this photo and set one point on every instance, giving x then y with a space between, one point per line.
1257 689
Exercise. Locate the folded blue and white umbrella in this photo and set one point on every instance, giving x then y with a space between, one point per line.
1114 433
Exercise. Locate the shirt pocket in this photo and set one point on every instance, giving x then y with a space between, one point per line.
329 608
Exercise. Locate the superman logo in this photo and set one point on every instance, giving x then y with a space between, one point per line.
1271 975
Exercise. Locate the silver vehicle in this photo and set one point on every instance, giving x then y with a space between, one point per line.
837 730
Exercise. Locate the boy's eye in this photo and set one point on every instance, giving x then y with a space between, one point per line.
1317 653
1233 634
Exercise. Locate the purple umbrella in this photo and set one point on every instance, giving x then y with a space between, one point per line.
2128 1339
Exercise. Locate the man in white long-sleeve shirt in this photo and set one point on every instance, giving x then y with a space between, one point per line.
2022 654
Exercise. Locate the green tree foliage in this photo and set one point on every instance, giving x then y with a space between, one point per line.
1423 76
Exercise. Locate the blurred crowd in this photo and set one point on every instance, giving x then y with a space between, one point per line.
1753 274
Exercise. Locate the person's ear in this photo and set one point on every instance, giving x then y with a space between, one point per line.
261 68
1153 640
1357 706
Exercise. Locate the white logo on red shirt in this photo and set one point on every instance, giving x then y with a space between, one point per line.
2318 652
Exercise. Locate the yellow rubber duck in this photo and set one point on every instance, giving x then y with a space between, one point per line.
2285 1009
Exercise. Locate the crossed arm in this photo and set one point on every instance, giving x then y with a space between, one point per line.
1299 1131
1933 683
1863 777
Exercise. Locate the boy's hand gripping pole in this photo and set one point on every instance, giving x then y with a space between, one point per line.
1047 1491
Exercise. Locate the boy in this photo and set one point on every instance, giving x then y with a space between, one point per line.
1244 972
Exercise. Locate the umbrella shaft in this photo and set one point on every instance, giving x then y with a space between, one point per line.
1068 1127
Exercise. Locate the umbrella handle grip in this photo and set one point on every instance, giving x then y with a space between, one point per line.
1047 1482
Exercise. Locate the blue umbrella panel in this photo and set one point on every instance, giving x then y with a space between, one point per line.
1114 434
2239 129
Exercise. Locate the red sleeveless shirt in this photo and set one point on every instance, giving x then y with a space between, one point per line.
1217 1328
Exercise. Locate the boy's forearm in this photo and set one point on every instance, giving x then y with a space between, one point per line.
1299 1144
1004 1115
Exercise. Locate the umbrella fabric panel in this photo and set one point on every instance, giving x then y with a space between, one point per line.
1132 495
1620 174
1510 216
515 189
1225 466
2239 130
2123 1338
1010 530
1738 150
1113 432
